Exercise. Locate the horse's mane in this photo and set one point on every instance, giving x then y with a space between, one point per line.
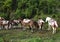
21 18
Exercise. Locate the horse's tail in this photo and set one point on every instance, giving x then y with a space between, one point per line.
36 24
56 24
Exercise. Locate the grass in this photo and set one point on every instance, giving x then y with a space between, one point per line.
18 35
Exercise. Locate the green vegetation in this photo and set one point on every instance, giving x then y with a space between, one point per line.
28 8
18 35
34 9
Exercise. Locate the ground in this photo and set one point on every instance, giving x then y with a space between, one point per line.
19 35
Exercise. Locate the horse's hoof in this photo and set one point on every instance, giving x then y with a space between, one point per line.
32 31
54 33
24 29
48 29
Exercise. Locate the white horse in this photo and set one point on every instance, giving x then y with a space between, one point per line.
40 23
52 23
13 23
5 24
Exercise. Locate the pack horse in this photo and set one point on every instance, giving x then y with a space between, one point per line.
52 23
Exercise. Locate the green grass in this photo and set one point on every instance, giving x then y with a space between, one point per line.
18 35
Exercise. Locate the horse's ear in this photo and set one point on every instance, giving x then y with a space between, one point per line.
21 18
39 18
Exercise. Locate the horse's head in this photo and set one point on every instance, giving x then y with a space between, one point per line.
20 20
48 19
1 18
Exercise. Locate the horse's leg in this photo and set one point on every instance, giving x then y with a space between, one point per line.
19 25
23 26
9 26
54 30
2 26
49 27
39 27
31 26
6 27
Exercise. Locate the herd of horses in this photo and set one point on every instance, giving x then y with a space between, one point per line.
8 24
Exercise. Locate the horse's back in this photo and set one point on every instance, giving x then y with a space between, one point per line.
26 20
53 22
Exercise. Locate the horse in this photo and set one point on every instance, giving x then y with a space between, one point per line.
1 19
40 23
52 23
14 23
28 22
4 23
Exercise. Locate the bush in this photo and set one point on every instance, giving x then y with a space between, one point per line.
1 40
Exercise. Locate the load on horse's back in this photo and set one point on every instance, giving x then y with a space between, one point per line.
26 20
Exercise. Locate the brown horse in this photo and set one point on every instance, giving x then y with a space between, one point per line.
28 22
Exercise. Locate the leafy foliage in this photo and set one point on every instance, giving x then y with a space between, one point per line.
28 8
